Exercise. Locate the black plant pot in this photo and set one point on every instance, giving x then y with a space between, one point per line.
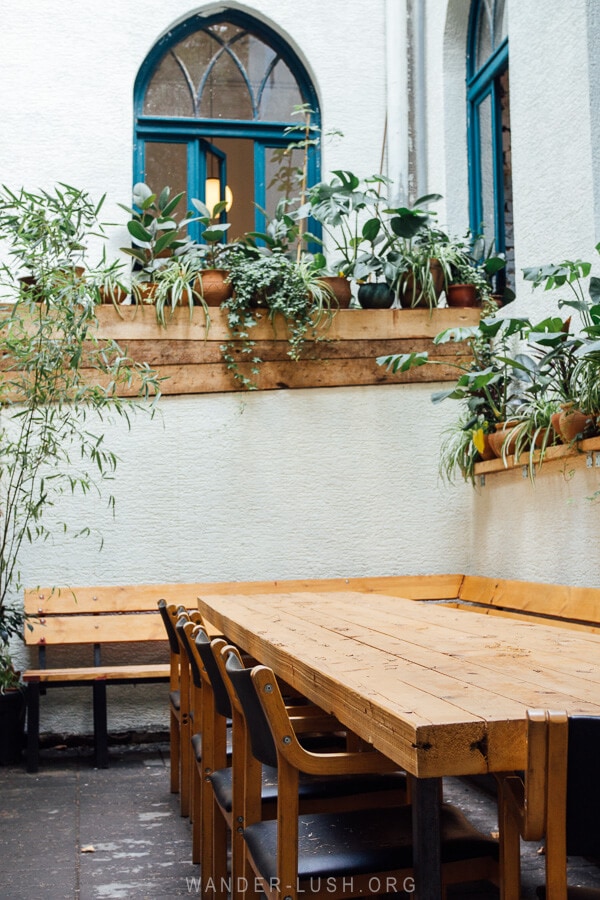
12 726
376 295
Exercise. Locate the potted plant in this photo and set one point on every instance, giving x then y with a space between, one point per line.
155 235
52 409
177 284
489 386
212 283
274 286
346 208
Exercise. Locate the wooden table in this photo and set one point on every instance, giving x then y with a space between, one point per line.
440 691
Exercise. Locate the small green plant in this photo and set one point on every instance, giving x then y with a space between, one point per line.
154 231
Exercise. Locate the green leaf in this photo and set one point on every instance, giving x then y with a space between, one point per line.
137 231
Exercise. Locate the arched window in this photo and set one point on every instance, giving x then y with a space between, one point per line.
214 102
490 179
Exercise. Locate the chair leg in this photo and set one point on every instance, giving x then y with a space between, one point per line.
196 811
174 752
185 749
510 853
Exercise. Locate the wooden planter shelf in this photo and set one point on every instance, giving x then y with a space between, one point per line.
191 359
584 453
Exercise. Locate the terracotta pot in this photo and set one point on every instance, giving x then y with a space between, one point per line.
499 436
375 295
340 286
412 290
462 295
115 295
144 292
212 285
555 422
572 423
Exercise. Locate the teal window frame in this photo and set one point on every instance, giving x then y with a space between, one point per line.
194 132
483 82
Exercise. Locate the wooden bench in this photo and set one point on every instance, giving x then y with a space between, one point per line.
93 616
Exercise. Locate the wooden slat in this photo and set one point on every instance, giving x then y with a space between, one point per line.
347 324
563 601
107 598
88 629
99 673
170 352
145 597
524 617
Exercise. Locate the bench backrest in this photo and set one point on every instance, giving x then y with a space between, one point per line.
578 605
115 613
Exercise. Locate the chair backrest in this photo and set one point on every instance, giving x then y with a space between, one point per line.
261 739
221 697
186 628
169 615
583 786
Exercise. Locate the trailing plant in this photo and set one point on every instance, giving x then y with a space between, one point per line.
278 288
59 384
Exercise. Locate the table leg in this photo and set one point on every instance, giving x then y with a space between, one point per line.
426 838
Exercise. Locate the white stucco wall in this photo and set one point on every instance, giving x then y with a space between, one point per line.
313 482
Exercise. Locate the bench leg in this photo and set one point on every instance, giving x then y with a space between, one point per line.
33 726
100 726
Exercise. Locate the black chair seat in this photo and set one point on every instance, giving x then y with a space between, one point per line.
365 841
175 699
574 893
310 787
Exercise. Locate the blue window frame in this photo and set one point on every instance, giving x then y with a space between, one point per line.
215 99
488 123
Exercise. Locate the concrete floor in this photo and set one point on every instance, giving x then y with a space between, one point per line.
72 832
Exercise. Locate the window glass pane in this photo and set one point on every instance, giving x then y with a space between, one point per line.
166 164
168 93
225 94
280 94
282 178
500 22
486 169
504 95
239 154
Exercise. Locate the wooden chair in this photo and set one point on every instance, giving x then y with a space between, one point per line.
190 698
316 730
340 853
557 799
170 613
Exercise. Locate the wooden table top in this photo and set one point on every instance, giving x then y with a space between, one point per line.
441 691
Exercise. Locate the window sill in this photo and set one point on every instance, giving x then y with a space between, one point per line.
192 363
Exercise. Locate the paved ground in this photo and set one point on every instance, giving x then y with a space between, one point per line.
73 832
